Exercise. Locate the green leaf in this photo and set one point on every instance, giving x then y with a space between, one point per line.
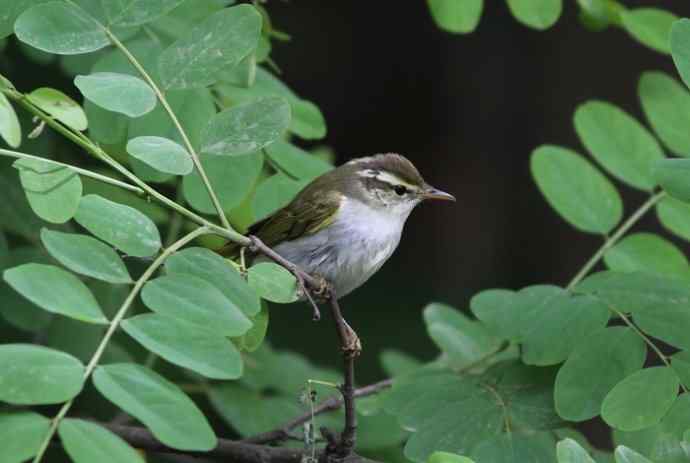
666 104
672 175
155 211
647 252
246 127
626 455
86 255
295 161
306 122
273 282
670 322
661 443
510 448
87 442
250 412
60 106
397 363
457 16
494 308
674 215
274 193
36 375
206 264
569 451
170 415
576 189
22 434
10 130
620 143
600 361
649 26
60 27
641 400
232 178
680 48
445 457
680 361
220 41
120 93
537 14
161 154
187 345
463 340
53 192
252 339
441 408
11 9
55 290
122 226
195 301
137 12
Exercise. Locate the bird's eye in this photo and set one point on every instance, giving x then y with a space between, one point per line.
400 190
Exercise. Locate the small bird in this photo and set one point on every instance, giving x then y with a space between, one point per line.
346 223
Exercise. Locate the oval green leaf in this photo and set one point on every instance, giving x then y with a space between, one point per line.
647 252
86 255
187 345
10 130
170 415
295 161
220 41
122 226
672 175
649 26
537 14
120 93
60 106
87 442
569 451
680 48
206 264
674 215
21 434
641 400
273 283
246 127
445 457
274 193
626 455
666 104
161 154
130 13
60 27
457 16
53 192
36 375
196 301
55 290
620 143
596 364
576 189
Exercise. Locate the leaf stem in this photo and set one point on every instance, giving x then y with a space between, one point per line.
114 324
613 239
79 170
164 102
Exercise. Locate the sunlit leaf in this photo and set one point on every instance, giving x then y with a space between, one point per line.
458 16
60 106
60 27
55 290
649 26
625 455
195 301
161 154
170 415
445 457
569 451
86 255
576 189
187 345
220 41
87 442
537 14
600 361
120 93
35 375
246 127
122 226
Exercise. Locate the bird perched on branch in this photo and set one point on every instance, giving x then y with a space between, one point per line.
346 223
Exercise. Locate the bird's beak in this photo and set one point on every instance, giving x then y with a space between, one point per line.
434 193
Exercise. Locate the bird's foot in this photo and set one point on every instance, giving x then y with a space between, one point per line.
352 346
302 290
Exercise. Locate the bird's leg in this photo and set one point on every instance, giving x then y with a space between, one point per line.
303 278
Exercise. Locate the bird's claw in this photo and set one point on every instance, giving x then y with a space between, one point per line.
352 346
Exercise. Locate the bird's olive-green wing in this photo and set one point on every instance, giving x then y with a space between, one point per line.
305 215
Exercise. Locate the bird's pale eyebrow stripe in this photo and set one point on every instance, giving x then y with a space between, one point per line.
386 177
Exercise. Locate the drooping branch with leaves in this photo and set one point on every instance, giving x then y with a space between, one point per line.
185 131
